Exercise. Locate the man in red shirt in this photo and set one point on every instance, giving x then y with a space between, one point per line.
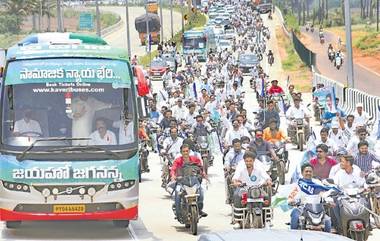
322 164
275 89
177 165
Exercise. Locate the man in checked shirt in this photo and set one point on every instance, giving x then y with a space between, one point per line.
365 158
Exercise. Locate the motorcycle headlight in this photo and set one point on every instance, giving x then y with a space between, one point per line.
316 219
16 186
204 145
191 190
267 166
255 192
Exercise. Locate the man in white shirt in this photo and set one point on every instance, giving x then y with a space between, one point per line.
83 112
349 173
361 117
235 132
337 135
297 111
102 136
26 126
250 172
191 115
126 132
172 145
179 111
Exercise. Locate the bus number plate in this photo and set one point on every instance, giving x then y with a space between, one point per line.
69 208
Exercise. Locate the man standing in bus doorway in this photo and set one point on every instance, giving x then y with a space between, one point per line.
83 112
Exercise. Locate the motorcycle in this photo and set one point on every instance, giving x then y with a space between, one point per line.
251 208
280 150
322 39
298 133
270 59
143 158
338 62
168 160
354 216
312 29
313 213
275 169
331 55
373 183
202 147
189 191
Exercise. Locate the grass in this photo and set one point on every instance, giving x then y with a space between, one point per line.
369 44
107 19
299 73
291 22
7 40
196 19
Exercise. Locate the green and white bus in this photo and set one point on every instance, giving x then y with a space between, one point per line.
69 145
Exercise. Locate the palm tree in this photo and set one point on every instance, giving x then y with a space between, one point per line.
19 9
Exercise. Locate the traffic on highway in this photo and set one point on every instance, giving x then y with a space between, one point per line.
209 141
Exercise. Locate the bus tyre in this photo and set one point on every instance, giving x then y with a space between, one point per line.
121 223
13 224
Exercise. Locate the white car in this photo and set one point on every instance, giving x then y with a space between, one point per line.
224 44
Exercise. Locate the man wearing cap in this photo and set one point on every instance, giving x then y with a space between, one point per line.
337 135
179 111
275 89
361 117
297 111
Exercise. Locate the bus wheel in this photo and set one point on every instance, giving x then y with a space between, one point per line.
121 223
13 224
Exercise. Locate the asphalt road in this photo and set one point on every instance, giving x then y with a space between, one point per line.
156 220
364 79
118 38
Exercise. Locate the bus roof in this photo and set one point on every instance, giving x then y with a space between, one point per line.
195 32
63 45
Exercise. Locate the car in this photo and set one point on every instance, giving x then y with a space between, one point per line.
219 32
170 60
271 235
264 8
157 69
229 34
224 44
247 61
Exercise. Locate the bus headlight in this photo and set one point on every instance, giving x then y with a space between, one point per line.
16 186
116 186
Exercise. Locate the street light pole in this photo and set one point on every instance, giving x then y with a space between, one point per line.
128 34
171 17
162 23
350 64
97 18
377 16
59 16
182 20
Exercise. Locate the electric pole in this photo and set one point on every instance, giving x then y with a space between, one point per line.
128 34
171 18
350 64
97 18
377 16
183 17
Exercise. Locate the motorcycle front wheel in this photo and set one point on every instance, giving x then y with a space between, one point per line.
300 141
194 220
281 172
257 221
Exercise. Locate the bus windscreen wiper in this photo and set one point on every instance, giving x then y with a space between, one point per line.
22 155
87 148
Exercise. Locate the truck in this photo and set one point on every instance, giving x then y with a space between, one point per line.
199 41
154 27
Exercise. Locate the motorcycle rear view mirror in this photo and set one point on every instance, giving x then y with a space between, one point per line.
329 181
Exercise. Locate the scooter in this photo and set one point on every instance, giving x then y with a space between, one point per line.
338 61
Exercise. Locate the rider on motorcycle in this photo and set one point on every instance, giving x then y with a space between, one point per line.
297 195
268 114
262 147
178 163
275 88
173 143
297 111
273 134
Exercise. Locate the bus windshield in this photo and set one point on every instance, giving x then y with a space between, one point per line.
81 101
194 43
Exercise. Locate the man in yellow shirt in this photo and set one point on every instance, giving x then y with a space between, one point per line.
273 134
